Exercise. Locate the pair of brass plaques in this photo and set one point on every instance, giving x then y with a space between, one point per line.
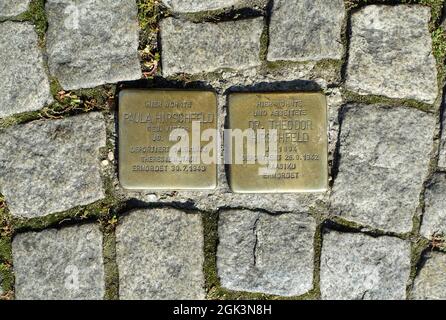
274 142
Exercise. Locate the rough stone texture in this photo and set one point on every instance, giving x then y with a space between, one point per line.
11 8
24 86
306 30
263 253
434 219
160 255
90 43
204 47
356 266
391 53
430 283
51 166
1 286
204 5
62 264
384 158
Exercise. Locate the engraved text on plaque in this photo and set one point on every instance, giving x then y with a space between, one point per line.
298 123
147 118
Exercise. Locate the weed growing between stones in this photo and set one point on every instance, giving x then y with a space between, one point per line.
149 14
67 103
438 241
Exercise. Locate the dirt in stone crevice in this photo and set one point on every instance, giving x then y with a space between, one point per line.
6 233
213 286
106 211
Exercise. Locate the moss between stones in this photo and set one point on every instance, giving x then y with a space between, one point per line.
213 286
104 211
352 97
108 226
36 14
418 247
439 50
149 14
67 103
264 42
6 232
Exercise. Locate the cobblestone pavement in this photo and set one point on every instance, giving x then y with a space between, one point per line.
69 231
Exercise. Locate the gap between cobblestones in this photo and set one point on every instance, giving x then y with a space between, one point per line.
107 211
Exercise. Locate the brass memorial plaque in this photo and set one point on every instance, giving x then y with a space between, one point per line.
147 119
294 127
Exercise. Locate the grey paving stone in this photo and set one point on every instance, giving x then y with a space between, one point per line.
391 53
24 86
160 255
64 264
204 5
360 267
205 47
91 43
434 218
384 158
268 254
11 8
430 283
306 30
52 166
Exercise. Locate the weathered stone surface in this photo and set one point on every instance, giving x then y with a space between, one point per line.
52 166
160 255
24 86
1 285
391 53
62 264
204 47
430 283
356 266
384 158
90 43
11 8
204 5
263 253
306 30
434 219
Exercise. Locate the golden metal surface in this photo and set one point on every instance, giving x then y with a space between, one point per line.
146 119
301 123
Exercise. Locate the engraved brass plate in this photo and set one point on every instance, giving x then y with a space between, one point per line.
300 121
146 120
